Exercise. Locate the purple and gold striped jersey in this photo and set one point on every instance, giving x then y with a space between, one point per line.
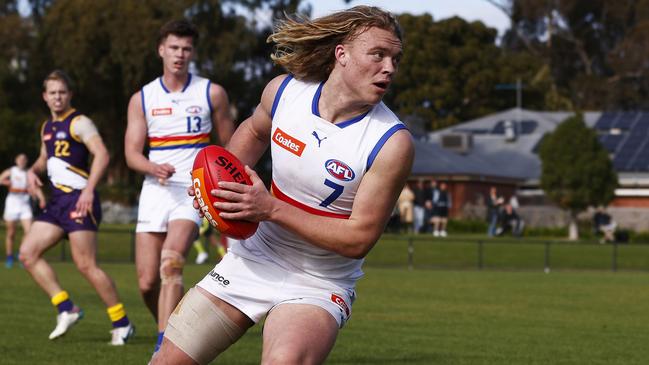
67 155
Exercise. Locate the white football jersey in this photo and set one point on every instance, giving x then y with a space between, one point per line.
18 182
179 124
317 167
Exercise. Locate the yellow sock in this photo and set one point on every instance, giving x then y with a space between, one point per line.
198 245
60 298
116 312
220 250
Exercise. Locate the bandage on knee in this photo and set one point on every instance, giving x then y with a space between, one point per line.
201 329
171 267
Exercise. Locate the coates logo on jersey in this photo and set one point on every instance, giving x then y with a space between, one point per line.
289 143
194 109
340 302
161 111
339 170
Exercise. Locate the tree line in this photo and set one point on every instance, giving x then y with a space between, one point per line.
576 55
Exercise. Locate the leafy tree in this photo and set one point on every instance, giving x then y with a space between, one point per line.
595 49
450 70
576 170
109 49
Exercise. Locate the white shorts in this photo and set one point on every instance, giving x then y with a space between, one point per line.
17 207
255 288
160 204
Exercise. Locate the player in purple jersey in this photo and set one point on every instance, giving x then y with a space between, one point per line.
68 138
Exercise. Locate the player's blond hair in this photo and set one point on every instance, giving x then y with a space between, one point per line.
58 75
305 48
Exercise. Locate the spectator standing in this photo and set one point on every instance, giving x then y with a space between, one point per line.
430 186
494 203
405 202
418 209
441 204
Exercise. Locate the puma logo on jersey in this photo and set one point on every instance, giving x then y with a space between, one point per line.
315 134
339 170
289 143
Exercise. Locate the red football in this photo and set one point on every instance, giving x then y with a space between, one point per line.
211 165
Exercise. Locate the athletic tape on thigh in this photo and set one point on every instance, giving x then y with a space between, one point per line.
201 329
171 267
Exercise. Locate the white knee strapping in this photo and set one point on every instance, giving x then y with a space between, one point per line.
171 267
200 329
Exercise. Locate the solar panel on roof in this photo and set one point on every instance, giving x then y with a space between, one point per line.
499 128
606 121
610 141
626 120
528 126
521 127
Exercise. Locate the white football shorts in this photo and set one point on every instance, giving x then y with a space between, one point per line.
17 207
255 288
160 204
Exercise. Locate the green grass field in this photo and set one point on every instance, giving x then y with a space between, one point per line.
400 317
508 313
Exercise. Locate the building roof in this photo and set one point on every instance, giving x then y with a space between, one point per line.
433 159
503 143
626 136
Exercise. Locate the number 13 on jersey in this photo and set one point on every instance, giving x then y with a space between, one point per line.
193 124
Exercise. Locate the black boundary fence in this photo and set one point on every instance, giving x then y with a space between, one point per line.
117 245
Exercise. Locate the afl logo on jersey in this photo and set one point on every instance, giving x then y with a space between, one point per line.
194 109
61 135
339 170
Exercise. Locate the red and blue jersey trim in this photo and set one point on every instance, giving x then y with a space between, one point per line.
179 142
285 198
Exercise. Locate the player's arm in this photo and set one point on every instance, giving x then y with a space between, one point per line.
221 116
134 140
40 196
85 130
4 177
39 167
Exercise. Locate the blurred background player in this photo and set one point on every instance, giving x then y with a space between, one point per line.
68 139
340 158
173 115
17 204
206 232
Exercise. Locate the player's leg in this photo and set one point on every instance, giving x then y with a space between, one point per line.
201 256
37 240
298 334
180 235
201 327
147 261
83 245
10 226
40 237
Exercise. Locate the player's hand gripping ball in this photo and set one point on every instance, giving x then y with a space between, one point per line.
214 164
